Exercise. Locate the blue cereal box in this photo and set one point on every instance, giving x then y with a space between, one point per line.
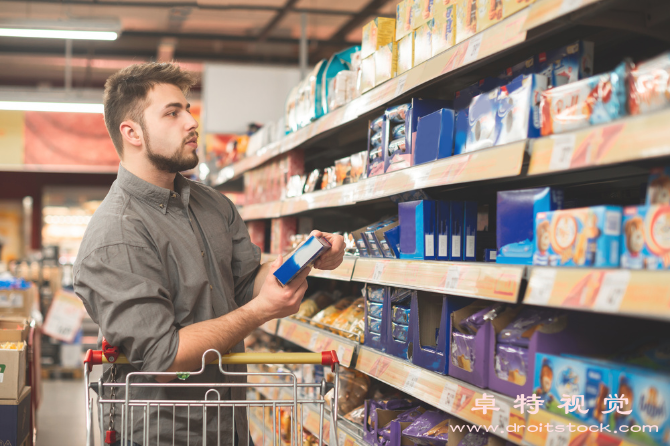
573 387
470 230
456 230
417 230
646 237
303 257
658 187
647 395
578 237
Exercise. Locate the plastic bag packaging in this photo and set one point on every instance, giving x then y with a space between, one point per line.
313 304
398 131
397 114
397 145
400 332
354 388
400 295
376 139
463 351
511 363
430 429
400 314
330 313
374 325
312 181
375 293
358 166
474 439
352 319
357 415
519 331
473 323
377 124
375 309
409 416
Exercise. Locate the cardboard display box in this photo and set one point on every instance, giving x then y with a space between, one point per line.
12 373
15 419
18 302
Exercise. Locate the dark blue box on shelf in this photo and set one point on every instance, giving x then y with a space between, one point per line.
377 153
470 230
442 225
371 339
434 136
456 230
462 106
417 230
396 347
431 316
15 419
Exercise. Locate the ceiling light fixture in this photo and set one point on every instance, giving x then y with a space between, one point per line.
62 29
71 107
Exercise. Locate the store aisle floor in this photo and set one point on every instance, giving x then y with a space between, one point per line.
61 417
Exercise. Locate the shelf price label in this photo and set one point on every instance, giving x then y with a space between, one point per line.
612 291
378 271
400 85
474 44
453 275
570 5
312 341
412 378
540 286
561 154
448 396
500 418
555 438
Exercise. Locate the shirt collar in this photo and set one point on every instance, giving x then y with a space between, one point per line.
155 196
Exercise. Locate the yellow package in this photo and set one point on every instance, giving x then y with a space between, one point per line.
352 319
367 75
422 12
490 12
466 19
406 53
386 63
376 34
443 29
328 315
403 19
511 6
422 44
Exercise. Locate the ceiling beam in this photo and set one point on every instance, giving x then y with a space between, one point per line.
194 5
265 32
357 19
231 38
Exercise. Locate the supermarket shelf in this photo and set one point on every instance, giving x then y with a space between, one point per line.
542 438
481 280
621 291
342 272
496 39
256 429
317 340
451 395
496 162
632 138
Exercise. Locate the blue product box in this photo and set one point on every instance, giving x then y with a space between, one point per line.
431 326
375 309
374 248
658 186
470 230
15 415
490 255
518 115
417 230
556 376
377 141
375 293
462 102
359 239
380 237
567 64
400 332
527 66
303 257
419 108
578 237
443 223
392 242
646 237
456 251
483 128
515 220
400 315
398 297
434 136
648 394
374 325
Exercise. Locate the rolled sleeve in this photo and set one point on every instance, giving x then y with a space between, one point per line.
123 291
246 258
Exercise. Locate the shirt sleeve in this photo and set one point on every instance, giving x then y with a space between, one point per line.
122 290
246 258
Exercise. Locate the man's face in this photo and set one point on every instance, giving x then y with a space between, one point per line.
169 130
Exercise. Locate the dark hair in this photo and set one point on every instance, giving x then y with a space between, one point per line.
126 92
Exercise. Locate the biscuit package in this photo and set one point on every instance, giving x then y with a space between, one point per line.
646 237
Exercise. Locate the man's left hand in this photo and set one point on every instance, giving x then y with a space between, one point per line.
332 258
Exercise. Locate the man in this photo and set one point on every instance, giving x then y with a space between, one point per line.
166 267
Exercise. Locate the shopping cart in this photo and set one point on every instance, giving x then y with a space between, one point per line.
143 411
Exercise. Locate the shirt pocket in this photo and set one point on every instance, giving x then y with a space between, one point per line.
222 248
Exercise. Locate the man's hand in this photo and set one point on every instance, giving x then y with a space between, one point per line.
332 258
275 301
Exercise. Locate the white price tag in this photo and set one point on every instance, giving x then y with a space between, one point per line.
558 438
341 350
455 246
474 44
612 290
500 418
448 396
312 341
411 379
540 286
64 318
430 245
453 274
561 154
400 85
341 438
377 273
442 249
570 5
469 246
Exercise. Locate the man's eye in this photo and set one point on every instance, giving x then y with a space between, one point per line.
173 113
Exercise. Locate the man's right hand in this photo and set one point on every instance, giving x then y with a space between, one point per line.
275 301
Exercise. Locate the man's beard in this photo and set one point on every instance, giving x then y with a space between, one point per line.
178 162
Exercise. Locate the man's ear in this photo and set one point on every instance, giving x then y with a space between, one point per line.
131 132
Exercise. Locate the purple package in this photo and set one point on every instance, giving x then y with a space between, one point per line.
430 429
511 363
394 404
474 439
463 351
526 322
408 416
473 323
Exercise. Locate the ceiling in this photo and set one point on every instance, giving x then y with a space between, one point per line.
190 31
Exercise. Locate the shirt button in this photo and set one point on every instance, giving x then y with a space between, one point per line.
210 287
160 205
174 195
203 253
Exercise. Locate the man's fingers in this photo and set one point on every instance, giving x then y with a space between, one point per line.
276 263
316 233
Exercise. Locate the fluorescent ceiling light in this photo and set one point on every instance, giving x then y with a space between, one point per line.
71 107
62 29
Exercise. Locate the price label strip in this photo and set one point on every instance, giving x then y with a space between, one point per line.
612 291
448 396
555 438
474 44
561 154
411 380
453 275
501 419
312 341
378 271
540 286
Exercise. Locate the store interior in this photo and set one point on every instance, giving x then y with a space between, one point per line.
499 171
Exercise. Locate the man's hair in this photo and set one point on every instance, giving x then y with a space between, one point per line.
126 93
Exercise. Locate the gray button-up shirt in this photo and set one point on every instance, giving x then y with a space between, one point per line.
152 261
